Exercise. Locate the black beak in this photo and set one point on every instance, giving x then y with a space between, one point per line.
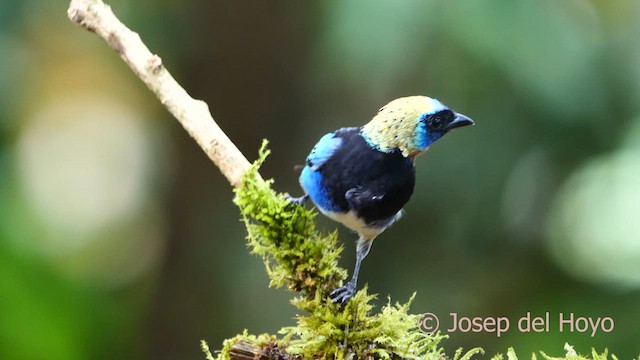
460 121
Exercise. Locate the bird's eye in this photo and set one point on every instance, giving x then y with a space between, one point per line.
435 123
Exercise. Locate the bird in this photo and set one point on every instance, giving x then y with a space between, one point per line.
362 177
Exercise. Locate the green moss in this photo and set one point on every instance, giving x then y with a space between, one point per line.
305 259
570 354
284 236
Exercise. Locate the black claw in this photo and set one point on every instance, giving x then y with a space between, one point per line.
342 294
298 201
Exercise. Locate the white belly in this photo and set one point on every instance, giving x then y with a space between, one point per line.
356 224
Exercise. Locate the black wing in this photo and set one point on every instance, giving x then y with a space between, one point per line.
375 184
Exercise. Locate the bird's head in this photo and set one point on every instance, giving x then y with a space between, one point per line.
411 124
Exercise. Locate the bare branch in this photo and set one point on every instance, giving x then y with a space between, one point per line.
194 115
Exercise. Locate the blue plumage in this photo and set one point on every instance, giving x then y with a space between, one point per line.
311 181
362 177
423 138
323 150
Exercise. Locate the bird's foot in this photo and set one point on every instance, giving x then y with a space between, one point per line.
298 201
342 294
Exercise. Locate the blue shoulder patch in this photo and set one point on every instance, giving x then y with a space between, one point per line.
323 150
311 182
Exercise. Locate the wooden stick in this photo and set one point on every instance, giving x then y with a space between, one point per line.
194 115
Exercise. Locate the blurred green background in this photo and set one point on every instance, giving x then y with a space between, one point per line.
118 237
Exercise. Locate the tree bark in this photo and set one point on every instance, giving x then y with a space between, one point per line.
97 17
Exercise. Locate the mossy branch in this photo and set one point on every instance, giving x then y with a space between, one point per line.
284 235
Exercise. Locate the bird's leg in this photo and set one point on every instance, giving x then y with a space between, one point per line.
342 294
299 200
